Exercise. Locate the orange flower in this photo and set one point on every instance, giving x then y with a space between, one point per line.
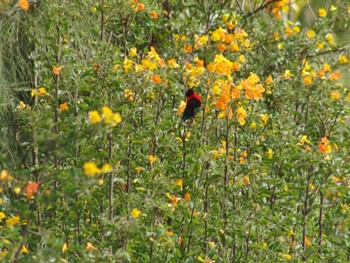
334 76
57 70
24 4
187 196
188 49
246 180
324 145
307 241
31 189
140 7
154 15
222 47
156 79
307 80
235 93
63 106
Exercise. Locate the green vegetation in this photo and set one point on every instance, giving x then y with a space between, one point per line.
96 166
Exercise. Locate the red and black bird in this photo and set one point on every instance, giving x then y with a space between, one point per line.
193 102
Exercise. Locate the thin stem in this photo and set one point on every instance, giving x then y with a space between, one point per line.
320 221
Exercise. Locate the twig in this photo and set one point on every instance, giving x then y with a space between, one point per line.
311 11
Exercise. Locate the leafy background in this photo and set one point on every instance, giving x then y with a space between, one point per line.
96 165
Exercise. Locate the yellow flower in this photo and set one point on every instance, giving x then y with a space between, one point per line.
152 159
319 44
90 247
13 221
94 117
90 169
178 182
135 213
269 153
133 52
63 106
64 248
335 95
304 139
22 105
269 80
17 190
287 74
117 118
24 249
343 60
106 168
241 114
2 216
172 63
311 33
138 170
333 8
264 118
42 91
181 108
286 256
329 38
322 12
326 67
4 175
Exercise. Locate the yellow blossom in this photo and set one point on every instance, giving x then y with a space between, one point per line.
304 140
2 216
329 38
24 249
94 117
335 95
322 12
91 169
269 80
64 248
106 168
22 105
286 256
319 44
269 153
181 108
311 33
152 159
172 63
138 170
13 221
4 175
133 52
135 213
178 182
343 60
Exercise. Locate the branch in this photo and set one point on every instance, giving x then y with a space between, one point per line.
339 49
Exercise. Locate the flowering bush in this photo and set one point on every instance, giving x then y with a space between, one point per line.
101 169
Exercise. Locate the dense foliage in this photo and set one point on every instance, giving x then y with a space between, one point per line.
96 165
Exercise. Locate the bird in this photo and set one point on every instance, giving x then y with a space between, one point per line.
193 103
